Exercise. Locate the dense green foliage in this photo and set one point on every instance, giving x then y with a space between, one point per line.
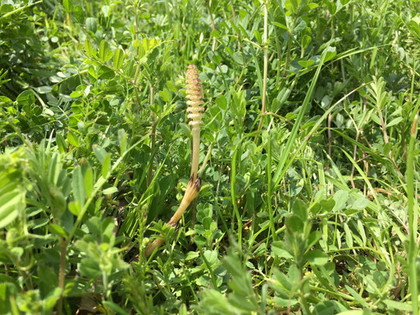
309 201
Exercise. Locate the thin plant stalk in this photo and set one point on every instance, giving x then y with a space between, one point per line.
265 70
152 137
195 113
413 217
233 194
284 158
61 274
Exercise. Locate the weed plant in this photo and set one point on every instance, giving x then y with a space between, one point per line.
309 200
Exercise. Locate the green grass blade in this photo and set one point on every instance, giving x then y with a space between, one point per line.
293 135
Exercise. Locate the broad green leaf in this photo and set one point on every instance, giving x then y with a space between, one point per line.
330 53
106 165
11 204
78 186
360 203
91 24
414 27
26 98
54 168
8 290
58 203
57 230
105 52
122 140
4 100
89 48
166 95
61 143
74 207
118 58
348 235
100 153
44 89
110 190
88 182
67 5
395 121
72 139
340 198
278 251
295 224
306 63
51 300
316 257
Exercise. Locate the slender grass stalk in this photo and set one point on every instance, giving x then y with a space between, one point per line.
61 274
270 191
213 26
195 113
233 194
265 70
284 158
413 218
152 137
19 10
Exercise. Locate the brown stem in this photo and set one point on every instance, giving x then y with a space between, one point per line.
193 188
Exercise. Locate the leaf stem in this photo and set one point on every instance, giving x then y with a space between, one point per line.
413 216
61 274
265 69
